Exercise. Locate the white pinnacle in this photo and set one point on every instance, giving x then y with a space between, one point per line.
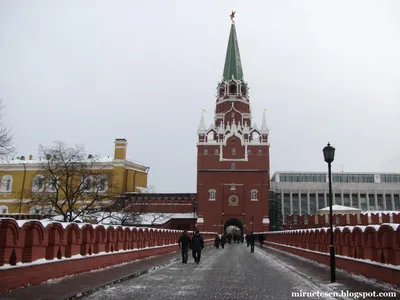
264 127
202 125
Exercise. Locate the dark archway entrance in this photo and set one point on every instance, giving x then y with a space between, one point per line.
233 226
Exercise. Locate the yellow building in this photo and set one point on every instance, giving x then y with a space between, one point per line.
18 177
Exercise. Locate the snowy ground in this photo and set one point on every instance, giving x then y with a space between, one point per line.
230 273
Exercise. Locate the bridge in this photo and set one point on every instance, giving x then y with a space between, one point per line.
55 260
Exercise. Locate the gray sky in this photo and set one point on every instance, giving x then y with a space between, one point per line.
87 72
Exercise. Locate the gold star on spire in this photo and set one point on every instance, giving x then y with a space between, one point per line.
233 16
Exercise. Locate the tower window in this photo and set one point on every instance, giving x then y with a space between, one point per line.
259 152
206 151
217 151
248 151
254 195
233 186
232 89
233 152
233 114
233 166
211 194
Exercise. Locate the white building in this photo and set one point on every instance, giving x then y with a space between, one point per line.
307 192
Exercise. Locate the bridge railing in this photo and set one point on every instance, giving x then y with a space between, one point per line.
25 241
372 251
33 251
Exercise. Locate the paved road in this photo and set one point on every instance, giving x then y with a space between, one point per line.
230 273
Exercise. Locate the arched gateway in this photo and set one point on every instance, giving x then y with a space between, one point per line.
234 223
233 156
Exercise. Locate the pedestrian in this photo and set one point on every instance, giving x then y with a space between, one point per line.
197 246
261 239
184 242
251 242
217 241
248 239
223 241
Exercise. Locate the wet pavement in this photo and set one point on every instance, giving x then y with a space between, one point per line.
230 273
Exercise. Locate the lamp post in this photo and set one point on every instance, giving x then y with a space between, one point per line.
329 155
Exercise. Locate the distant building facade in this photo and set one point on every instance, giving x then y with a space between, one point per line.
307 192
17 179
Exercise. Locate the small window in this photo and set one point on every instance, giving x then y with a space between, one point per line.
233 166
259 152
6 184
206 151
217 151
233 114
87 185
51 184
211 195
254 195
232 89
3 209
38 183
306 219
101 183
233 152
233 186
248 151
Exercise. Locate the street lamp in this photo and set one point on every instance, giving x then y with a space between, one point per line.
329 155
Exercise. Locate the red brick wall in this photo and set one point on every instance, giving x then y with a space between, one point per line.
359 246
24 243
315 221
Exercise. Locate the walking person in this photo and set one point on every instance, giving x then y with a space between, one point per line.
261 239
217 241
251 242
197 246
248 239
223 241
183 242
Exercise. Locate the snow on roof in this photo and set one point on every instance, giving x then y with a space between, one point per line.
339 207
158 219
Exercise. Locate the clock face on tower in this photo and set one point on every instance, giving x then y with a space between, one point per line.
233 200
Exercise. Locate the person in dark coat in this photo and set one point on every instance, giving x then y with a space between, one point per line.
217 241
261 239
248 239
184 242
197 246
251 242
223 241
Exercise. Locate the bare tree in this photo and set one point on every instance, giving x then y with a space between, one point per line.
123 212
6 137
70 183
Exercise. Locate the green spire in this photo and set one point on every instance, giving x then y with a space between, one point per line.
233 64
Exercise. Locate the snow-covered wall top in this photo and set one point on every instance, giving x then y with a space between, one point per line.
394 226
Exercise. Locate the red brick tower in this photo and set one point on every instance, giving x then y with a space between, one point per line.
233 157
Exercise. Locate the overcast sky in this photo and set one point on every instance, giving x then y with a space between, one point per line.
87 72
